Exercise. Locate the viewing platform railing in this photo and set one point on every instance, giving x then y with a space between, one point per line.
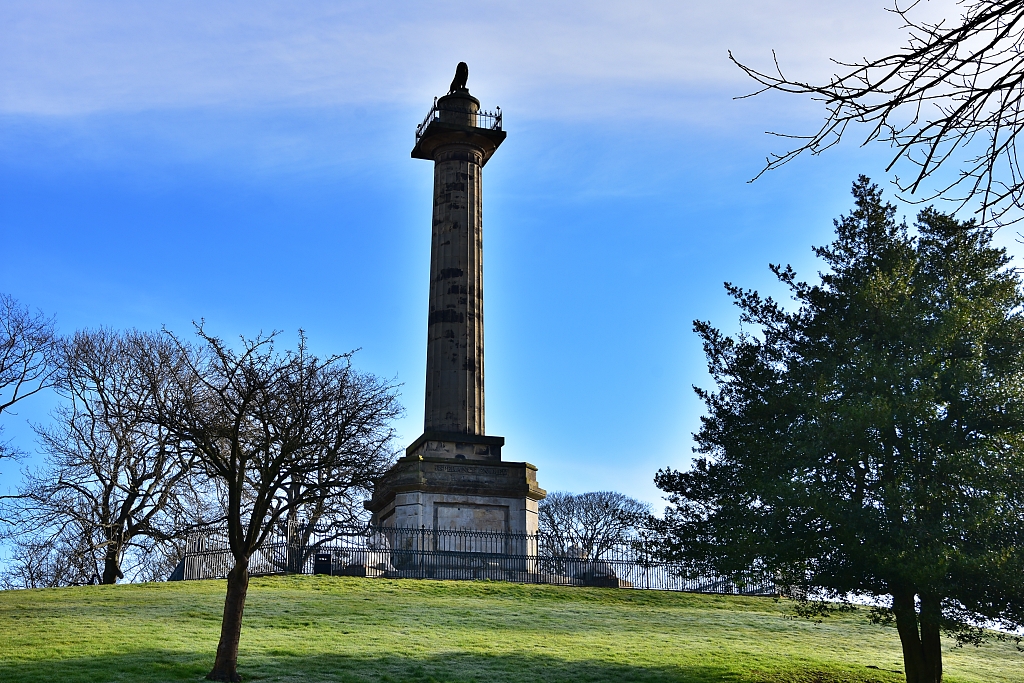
458 555
488 120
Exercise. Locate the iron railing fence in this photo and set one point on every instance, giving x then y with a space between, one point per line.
489 120
458 554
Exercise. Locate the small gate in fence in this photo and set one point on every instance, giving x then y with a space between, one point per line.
392 552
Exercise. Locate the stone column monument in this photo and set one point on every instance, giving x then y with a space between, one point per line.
453 477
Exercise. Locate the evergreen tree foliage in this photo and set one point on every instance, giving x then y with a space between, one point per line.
871 441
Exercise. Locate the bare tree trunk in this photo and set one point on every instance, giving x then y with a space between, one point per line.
225 667
111 567
294 548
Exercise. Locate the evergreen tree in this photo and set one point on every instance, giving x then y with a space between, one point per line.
871 442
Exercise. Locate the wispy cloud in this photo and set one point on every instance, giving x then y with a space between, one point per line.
585 58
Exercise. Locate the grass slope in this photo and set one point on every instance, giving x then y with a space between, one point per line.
345 629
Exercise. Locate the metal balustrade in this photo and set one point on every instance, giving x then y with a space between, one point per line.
488 120
458 555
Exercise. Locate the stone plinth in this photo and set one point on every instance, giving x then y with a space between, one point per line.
433 488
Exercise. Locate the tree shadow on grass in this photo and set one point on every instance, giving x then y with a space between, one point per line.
155 666
463 667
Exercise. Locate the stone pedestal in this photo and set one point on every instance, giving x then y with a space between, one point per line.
458 482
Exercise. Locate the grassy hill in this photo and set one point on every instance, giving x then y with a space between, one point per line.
347 629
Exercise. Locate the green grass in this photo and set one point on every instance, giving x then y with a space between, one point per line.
347 629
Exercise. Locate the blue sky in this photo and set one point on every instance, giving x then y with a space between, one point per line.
248 164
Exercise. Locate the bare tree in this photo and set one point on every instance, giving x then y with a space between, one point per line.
114 482
586 525
26 354
331 515
49 563
280 432
952 96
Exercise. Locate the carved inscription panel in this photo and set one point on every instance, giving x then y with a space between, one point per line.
471 517
467 474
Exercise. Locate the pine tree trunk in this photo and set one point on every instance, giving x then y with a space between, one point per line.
225 667
905 610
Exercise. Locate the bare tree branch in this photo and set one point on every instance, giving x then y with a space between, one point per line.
952 96
26 355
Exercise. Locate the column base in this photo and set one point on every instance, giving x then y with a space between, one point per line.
458 485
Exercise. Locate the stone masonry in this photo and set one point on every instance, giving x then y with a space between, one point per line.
454 400
452 477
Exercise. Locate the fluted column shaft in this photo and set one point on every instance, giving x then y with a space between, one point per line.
455 328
